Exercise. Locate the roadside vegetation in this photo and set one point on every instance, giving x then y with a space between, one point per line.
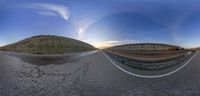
149 52
48 44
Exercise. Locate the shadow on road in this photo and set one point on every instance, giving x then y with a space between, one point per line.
46 60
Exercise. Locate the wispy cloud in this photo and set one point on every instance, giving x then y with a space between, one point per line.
46 13
176 32
49 9
82 25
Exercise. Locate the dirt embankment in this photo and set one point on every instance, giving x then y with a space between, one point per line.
150 56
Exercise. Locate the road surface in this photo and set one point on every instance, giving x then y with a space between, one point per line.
94 74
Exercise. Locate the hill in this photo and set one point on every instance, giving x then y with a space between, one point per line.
148 52
146 47
198 48
48 44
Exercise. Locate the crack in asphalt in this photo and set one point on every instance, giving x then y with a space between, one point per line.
73 80
76 85
37 72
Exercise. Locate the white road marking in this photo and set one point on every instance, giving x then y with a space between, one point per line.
146 76
188 53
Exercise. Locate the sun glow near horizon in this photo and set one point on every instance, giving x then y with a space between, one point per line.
102 45
107 44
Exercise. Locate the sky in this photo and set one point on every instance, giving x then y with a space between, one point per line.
103 23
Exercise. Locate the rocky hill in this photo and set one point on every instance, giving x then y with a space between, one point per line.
48 44
146 47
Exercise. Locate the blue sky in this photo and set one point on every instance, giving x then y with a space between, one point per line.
103 23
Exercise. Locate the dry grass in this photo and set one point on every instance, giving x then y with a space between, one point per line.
150 56
46 44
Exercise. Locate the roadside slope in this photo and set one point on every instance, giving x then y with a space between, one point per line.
47 44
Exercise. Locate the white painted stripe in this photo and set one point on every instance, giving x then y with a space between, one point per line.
188 53
146 76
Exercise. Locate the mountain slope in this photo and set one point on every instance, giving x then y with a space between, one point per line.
146 47
48 44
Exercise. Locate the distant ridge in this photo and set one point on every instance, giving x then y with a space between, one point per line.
48 44
146 46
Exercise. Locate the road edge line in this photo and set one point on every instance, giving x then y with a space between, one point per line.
146 76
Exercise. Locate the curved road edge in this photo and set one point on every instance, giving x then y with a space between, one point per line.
146 76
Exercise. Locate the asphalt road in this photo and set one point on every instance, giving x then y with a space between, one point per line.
94 74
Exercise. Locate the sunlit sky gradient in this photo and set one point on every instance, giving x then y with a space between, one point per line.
103 23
